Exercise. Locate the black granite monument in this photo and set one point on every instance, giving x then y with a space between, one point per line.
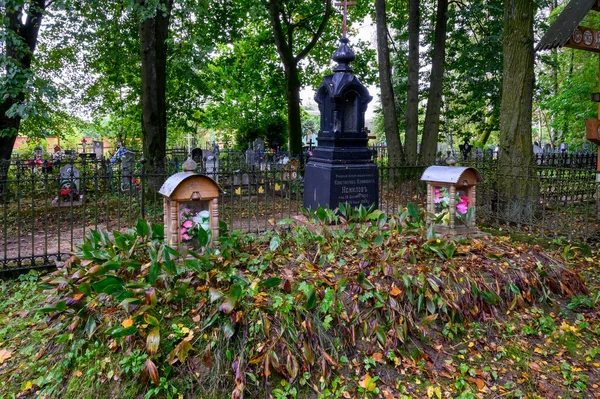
341 169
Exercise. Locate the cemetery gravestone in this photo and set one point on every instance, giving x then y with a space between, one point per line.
341 169
245 179
211 165
197 155
465 150
70 174
98 147
127 161
250 160
68 191
478 153
237 179
259 145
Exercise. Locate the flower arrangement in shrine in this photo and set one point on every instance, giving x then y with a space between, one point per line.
195 227
442 204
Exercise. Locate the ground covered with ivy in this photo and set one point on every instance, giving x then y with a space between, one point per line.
358 306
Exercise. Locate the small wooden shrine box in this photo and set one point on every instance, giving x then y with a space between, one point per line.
191 201
451 197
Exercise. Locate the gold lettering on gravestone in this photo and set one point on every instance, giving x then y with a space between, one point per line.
354 187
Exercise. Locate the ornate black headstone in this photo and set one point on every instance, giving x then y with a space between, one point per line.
341 169
465 150
197 155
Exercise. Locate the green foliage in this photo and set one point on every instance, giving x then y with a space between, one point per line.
375 281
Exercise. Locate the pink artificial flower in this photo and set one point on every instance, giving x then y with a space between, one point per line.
187 224
438 196
182 231
463 205
186 237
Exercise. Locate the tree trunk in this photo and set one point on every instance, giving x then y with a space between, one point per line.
292 81
489 127
516 148
431 127
412 95
284 41
388 103
154 33
27 31
565 126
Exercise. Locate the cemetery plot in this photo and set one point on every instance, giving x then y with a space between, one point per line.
385 307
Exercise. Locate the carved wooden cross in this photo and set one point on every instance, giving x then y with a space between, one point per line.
345 4
189 139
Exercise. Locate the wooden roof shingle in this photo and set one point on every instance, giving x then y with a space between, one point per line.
561 30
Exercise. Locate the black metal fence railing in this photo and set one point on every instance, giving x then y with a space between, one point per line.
46 207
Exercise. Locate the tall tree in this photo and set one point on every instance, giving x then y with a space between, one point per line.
154 32
431 127
516 148
388 101
412 95
22 21
293 20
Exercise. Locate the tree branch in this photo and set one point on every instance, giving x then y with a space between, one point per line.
317 35
283 48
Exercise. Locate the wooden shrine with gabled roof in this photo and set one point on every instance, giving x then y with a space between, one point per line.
566 32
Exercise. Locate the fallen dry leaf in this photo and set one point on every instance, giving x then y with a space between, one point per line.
5 355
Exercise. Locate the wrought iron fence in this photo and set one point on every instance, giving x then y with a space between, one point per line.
47 207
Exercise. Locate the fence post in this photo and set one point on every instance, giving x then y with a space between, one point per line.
143 184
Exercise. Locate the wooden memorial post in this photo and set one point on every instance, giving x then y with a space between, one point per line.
566 32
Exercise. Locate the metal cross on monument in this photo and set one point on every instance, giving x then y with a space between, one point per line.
345 4
189 139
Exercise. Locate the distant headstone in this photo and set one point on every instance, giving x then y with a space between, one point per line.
537 149
564 147
250 158
237 179
245 179
127 161
211 165
70 174
465 150
197 155
259 145
98 147
478 153
547 148
69 187
38 152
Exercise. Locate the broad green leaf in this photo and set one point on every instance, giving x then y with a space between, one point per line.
119 331
413 211
275 241
141 228
101 285
271 282
151 320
